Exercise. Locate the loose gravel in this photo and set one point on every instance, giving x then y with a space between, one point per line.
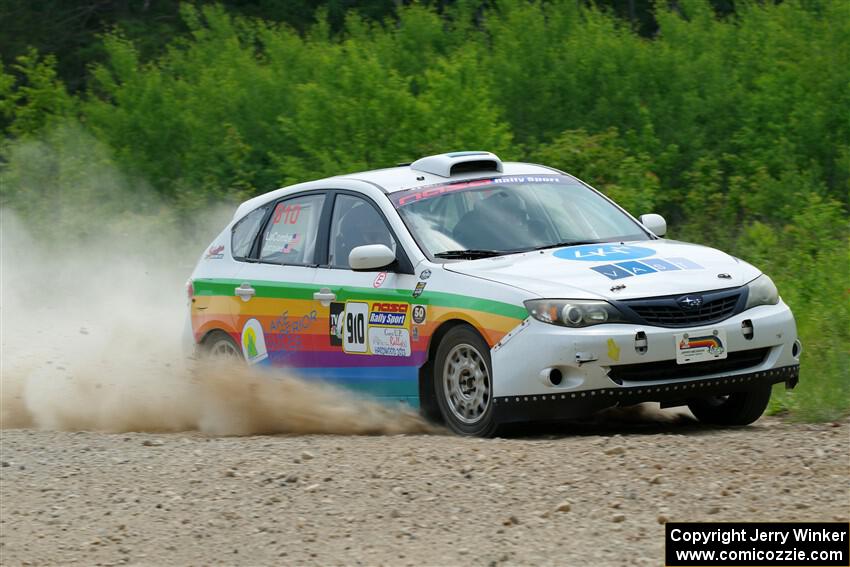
592 494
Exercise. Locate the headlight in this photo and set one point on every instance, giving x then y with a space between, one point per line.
761 291
573 313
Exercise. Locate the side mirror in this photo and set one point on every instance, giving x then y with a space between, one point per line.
370 257
655 223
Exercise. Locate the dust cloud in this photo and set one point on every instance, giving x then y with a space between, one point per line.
91 340
93 308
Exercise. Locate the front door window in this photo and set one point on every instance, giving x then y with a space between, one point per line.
355 223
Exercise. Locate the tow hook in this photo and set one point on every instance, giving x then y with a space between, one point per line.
582 357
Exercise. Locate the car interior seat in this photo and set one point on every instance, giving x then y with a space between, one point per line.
497 222
359 226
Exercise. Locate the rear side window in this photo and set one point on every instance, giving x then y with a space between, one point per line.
290 235
245 232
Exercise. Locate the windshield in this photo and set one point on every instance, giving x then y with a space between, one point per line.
488 217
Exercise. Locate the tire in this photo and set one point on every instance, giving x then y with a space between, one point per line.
463 385
428 406
219 346
737 408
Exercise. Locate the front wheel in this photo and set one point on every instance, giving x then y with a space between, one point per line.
738 408
463 383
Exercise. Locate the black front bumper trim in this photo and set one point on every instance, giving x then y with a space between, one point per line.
567 405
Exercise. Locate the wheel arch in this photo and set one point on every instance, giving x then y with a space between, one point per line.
206 334
427 398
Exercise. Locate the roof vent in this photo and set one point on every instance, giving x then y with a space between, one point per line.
456 163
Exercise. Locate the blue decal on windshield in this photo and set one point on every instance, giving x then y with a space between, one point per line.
603 252
661 265
612 272
636 268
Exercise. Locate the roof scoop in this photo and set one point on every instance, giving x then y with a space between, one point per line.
457 163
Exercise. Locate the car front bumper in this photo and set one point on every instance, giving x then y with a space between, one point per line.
611 365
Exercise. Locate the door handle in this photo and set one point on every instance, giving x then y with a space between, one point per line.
245 291
324 295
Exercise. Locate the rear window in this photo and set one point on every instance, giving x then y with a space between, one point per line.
245 232
290 235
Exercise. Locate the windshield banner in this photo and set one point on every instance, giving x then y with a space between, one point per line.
406 197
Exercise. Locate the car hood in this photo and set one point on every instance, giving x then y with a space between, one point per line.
644 269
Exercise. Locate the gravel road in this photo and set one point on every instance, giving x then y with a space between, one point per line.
592 494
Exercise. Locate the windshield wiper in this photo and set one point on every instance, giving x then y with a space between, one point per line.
561 244
472 254
475 253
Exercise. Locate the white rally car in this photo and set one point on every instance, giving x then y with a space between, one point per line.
489 292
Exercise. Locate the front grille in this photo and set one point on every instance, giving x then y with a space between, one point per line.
669 369
665 312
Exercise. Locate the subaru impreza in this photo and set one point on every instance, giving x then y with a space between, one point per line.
489 292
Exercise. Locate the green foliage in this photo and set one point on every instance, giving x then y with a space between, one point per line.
71 27
810 261
38 101
605 161
736 128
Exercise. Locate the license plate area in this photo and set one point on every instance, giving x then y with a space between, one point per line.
700 346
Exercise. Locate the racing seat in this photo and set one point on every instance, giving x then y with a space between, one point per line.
498 222
359 226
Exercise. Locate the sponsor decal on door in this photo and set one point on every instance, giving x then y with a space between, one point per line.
379 328
337 323
253 342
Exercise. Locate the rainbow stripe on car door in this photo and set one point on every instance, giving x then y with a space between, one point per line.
306 334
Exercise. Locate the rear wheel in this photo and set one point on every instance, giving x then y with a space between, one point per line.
463 384
737 408
220 346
